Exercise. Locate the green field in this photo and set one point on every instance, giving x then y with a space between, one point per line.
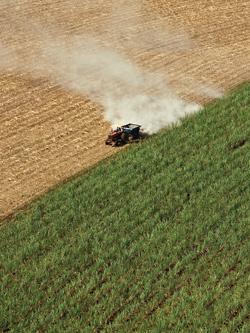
152 240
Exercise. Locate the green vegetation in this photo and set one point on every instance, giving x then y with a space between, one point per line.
153 240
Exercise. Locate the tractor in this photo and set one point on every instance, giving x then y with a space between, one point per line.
124 134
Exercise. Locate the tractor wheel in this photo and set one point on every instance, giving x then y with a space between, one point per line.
124 137
119 143
130 138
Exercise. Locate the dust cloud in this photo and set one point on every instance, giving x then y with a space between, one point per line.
127 93
93 66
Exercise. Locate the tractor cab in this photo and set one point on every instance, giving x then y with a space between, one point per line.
116 132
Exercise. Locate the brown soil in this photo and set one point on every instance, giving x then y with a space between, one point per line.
48 134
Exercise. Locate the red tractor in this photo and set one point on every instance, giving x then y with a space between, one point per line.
124 134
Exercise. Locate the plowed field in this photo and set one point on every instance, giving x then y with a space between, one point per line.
49 133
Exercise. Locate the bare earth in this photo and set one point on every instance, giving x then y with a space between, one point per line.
48 134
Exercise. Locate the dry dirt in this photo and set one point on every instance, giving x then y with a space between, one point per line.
48 134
